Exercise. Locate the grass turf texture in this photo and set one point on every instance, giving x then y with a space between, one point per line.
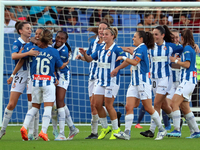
12 141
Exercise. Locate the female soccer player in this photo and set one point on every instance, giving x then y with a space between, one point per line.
43 90
182 96
34 125
161 73
140 86
20 81
63 76
94 45
107 87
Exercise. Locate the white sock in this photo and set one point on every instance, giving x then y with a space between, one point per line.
170 115
189 125
54 117
46 118
31 124
152 126
191 120
6 118
156 118
29 116
104 122
94 123
36 123
107 114
61 114
68 118
176 119
128 121
114 124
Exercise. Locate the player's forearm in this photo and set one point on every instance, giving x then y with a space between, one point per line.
18 66
88 58
16 56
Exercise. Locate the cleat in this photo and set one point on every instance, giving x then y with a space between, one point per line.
122 135
112 137
60 138
30 137
138 126
194 135
24 133
174 133
168 127
73 133
2 133
104 132
43 136
147 133
161 135
92 136
55 133
119 114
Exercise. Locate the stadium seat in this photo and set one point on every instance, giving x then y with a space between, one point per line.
129 20
84 18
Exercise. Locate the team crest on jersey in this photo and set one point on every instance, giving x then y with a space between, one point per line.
109 53
14 85
165 48
14 47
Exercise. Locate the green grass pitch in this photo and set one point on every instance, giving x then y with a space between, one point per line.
12 141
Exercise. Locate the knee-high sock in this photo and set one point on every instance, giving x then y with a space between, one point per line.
191 120
6 118
114 124
31 124
128 121
165 119
61 114
104 122
94 123
156 118
29 116
176 119
46 118
68 119
141 114
107 114
36 123
54 117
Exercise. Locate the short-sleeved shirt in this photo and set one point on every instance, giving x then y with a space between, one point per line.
140 72
189 74
107 63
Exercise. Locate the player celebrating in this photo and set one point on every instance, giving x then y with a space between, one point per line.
107 87
42 73
63 76
140 86
182 96
20 79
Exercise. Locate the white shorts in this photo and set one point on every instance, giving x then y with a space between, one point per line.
142 91
63 83
19 82
173 89
186 89
91 86
29 86
43 94
162 85
106 91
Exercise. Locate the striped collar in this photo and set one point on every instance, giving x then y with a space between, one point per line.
110 48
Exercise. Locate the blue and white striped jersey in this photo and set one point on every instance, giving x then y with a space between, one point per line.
107 63
43 66
160 59
17 45
176 75
93 65
189 74
140 72
64 55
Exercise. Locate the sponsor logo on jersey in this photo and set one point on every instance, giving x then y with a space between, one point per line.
194 74
42 77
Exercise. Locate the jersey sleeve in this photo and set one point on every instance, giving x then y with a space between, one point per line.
95 55
176 48
139 53
187 53
15 48
89 51
58 60
119 51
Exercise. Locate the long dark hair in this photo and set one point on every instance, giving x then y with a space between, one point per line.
187 38
66 36
148 39
168 35
19 25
